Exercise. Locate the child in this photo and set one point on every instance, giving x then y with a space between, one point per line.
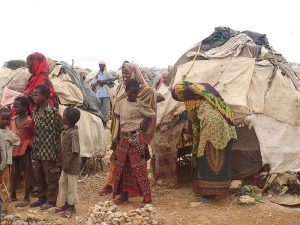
47 129
71 162
22 125
11 142
2 155
131 173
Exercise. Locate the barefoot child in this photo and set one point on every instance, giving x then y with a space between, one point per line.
71 162
22 126
131 173
11 142
47 130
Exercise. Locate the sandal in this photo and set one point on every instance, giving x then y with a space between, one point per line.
62 209
121 201
38 203
47 206
22 203
68 213
105 190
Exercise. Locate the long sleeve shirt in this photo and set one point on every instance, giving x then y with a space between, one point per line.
102 91
11 142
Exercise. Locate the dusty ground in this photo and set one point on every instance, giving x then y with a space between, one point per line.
173 207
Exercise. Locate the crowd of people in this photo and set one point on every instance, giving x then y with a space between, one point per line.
38 146
43 147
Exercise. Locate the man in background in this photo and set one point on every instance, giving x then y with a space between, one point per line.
100 85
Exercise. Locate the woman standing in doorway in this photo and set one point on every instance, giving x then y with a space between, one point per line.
213 133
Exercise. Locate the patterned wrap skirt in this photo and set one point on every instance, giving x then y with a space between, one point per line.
212 171
131 173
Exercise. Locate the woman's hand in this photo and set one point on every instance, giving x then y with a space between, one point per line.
160 98
145 124
114 144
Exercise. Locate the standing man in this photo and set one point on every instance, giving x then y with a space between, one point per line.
100 85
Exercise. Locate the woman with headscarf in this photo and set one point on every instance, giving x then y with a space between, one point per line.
148 96
213 133
39 68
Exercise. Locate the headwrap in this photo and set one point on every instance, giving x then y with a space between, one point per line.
38 66
102 62
192 93
135 72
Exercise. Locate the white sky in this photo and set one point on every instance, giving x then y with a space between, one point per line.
150 33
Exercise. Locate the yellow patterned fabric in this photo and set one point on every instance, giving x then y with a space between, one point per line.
192 93
213 128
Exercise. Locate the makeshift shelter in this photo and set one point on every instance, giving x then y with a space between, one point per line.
258 84
71 90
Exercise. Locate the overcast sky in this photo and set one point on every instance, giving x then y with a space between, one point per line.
150 33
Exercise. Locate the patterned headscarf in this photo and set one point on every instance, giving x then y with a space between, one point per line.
192 93
135 72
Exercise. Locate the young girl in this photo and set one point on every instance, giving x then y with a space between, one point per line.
131 173
22 126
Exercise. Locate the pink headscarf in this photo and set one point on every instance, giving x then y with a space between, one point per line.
135 72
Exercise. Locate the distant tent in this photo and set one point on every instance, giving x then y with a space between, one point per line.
72 91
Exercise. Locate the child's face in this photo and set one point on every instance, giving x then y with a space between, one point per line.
37 97
125 74
4 119
132 94
65 120
19 108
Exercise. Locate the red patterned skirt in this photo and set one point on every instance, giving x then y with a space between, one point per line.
131 174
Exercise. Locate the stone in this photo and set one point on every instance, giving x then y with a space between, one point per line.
144 214
236 184
136 222
195 204
110 217
154 222
112 208
118 214
149 209
132 214
34 217
246 200
17 222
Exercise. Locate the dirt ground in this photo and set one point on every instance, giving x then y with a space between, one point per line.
174 207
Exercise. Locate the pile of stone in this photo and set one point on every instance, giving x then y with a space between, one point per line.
31 218
106 213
